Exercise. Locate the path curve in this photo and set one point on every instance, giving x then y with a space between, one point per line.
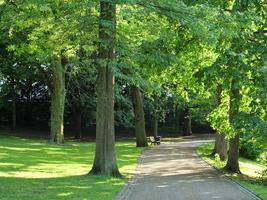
175 172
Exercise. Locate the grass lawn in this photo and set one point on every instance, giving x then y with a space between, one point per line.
33 169
250 171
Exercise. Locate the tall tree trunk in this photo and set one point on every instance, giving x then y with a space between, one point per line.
233 155
58 102
14 109
188 123
220 146
105 157
155 124
177 118
139 118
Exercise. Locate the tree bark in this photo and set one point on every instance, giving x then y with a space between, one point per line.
14 109
139 118
177 118
233 155
188 123
155 124
105 162
57 102
220 146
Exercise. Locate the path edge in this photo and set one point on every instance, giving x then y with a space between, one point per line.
126 190
255 196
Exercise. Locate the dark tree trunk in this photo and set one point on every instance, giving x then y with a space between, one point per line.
139 118
14 110
58 102
155 124
188 123
233 155
177 118
220 146
105 157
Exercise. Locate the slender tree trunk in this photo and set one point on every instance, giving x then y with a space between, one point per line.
58 103
177 118
220 146
14 109
155 124
105 157
188 123
139 118
233 155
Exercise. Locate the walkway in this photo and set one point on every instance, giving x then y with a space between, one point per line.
175 172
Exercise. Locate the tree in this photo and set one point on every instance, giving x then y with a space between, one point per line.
58 100
139 118
105 158
233 156
238 63
220 145
48 33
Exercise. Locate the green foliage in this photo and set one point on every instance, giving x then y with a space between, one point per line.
177 52
250 148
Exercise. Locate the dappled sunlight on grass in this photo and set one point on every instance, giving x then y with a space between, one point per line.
30 168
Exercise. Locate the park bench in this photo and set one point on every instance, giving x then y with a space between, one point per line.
155 140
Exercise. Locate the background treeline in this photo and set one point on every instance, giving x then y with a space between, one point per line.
27 107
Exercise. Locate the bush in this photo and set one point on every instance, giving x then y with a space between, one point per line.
264 177
250 149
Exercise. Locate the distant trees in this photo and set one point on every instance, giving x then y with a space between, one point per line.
46 32
208 60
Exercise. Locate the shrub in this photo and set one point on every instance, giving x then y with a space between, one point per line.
250 149
264 177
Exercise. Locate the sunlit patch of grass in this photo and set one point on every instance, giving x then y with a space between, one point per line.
250 169
34 169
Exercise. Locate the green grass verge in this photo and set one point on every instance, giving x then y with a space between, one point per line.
33 169
250 170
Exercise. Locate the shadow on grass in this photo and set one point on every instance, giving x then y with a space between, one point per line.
73 187
33 169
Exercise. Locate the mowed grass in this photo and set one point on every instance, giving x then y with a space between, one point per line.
251 171
34 169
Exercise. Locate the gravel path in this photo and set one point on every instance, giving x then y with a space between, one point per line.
175 172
